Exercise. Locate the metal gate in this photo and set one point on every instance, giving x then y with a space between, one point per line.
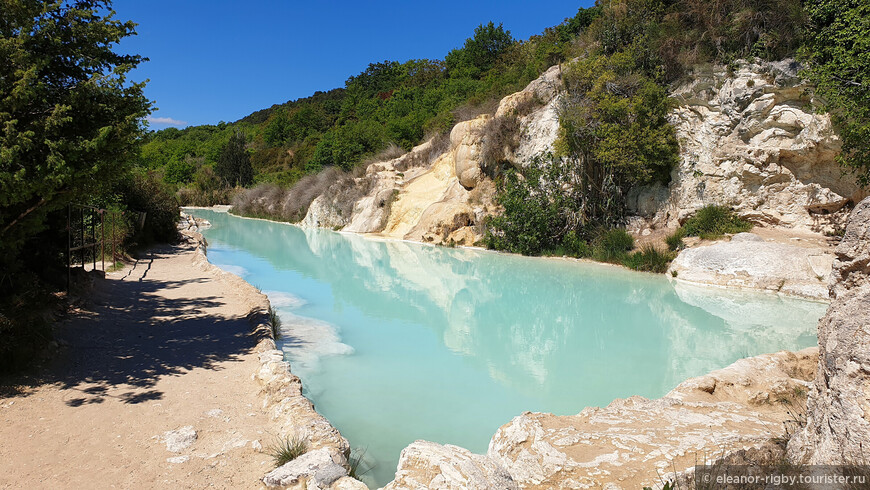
87 228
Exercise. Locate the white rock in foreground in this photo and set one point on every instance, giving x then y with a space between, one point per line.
428 465
179 439
747 261
634 442
314 469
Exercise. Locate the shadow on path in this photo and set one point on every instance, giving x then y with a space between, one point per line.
141 329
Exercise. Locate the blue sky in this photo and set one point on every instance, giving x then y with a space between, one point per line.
214 61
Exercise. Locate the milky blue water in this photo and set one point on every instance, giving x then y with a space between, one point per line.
399 341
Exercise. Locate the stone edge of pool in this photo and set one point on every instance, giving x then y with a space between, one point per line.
325 464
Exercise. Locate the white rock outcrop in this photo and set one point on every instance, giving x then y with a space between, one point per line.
631 443
750 139
427 465
747 261
838 408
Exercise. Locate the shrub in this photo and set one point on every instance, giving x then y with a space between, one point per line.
612 245
573 246
299 197
711 222
649 259
145 192
274 323
675 240
500 135
287 449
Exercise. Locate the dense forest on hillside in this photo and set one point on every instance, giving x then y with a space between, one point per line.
389 103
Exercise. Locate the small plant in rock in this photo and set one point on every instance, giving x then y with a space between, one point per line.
287 449
711 222
675 240
357 465
275 323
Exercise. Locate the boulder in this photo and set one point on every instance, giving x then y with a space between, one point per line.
314 469
838 408
427 465
747 261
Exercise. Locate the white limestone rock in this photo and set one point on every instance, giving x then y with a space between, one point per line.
319 468
179 439
838 409
634 442
747 261
752 141
428 465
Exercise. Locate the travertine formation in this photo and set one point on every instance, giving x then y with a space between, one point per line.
426 465
747 261
838 409
750 139
441 194
632 442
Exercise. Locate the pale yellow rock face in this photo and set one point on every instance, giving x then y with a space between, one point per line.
466 141
418 195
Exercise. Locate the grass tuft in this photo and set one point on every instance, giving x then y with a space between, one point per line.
711 222
612 245
649 259
675 240
287 449
357 465
275 323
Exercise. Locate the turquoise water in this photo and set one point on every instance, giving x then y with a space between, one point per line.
398 341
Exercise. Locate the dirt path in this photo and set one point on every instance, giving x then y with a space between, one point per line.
164 345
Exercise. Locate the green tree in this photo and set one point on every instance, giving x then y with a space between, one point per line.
614 127
838 51
480 52
234 162
69 118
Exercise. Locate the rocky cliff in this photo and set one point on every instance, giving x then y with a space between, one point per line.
439 192
838 408
749 139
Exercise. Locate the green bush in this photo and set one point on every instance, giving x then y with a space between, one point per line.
711 222
648 259
574 246
145 192
534 216
675 239
612 245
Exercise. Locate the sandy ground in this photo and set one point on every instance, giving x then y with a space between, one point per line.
161 346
